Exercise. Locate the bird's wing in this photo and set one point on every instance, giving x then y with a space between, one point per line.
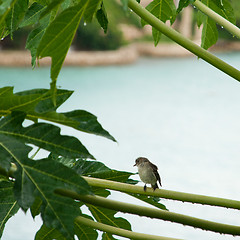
155 170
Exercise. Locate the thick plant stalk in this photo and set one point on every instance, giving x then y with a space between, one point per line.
152 213
119 231
183 41
234 30
162 193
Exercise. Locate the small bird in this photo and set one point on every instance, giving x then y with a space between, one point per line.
148 172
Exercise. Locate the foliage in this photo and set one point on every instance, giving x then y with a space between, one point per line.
53 187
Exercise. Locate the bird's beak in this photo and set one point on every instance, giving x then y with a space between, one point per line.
135 165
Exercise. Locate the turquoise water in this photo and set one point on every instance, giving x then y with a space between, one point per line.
180 113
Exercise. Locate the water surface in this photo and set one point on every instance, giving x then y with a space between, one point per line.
180 113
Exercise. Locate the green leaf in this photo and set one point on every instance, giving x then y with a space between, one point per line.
16 14
59 35
84 232
40 179
41 100
184 3
54 4
163 10
32 15
102 18
99 170
45 233
43 135
57 212
209 32
107 216
35 37
5 8
36 207
27 101
8 204
154 201
107 236
86 122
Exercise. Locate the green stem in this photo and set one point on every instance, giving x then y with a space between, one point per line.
183 41
168 194
162 193
218 18
152 213
118 231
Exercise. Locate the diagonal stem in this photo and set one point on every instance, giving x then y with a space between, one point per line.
218 18
152 213
183 41
162 193
119 231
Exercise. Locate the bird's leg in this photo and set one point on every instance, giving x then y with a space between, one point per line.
145 188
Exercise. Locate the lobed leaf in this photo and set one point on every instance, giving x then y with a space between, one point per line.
99 170
8 204
59 35
45 233
163 10
35 37
37 103
16 14
102 18
32 15
184 3
107 216
26 101
209 32
43 135
84 232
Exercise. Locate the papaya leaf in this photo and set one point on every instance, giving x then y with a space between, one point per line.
59 35
32 15
53 4
106 216
57 212
43 135
36 207
154 201
40 100
209 32
102 18
16 14
107 236
45 233
163 10
8 204
99 170
27 101
35 37
184 3
84 232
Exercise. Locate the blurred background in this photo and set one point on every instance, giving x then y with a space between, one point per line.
174 109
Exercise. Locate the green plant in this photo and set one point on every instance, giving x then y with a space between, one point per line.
58 186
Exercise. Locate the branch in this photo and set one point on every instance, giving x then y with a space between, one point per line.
152 212
218 18
119 231
162 193
183 41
